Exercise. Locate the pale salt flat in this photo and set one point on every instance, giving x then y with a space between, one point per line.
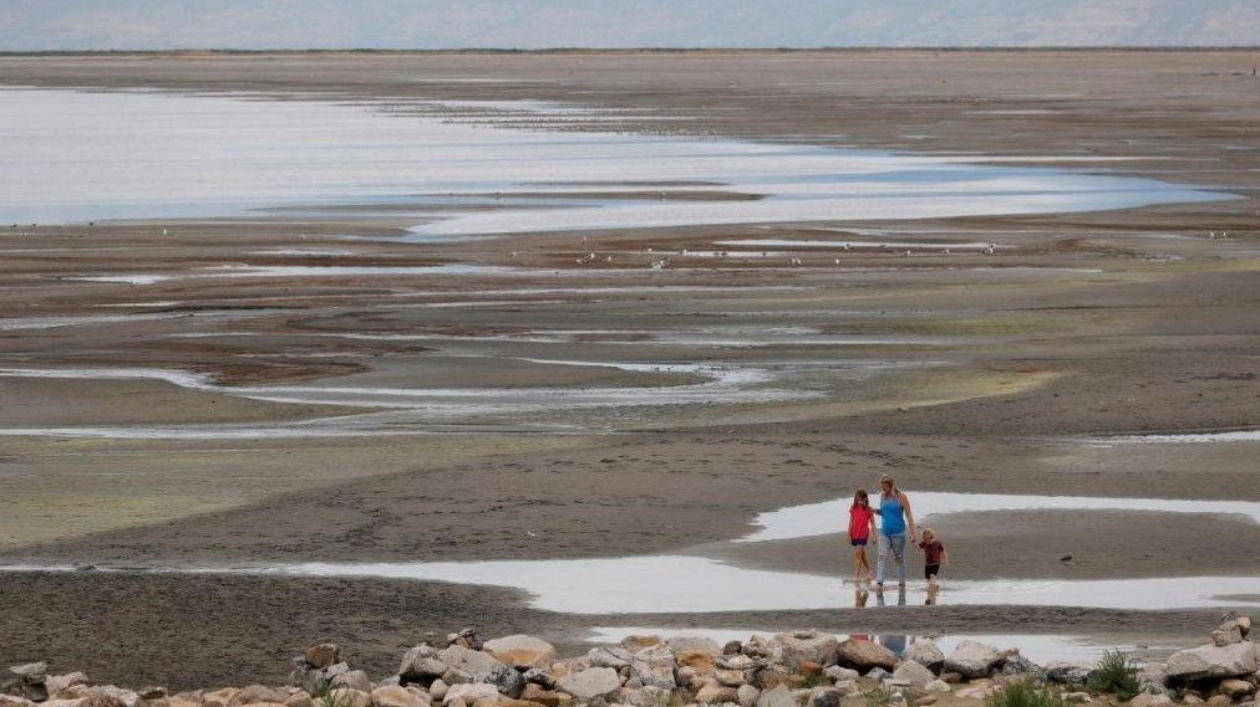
74 156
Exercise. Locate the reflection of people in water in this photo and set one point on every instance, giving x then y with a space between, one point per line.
895 642
933 595
860 597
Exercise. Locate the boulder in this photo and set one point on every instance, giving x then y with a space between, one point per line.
457 677
347 697
636 643
640 697
1244 625
913 673
713 693
301 698
1152 675
654 667
863 655
590 683
253 694
469 693
926 700
1219 701
1146 699
803 646
353 679
1016 665
973 660
438 690
747 696
1065 673
108 694
695 644
521 651
614 657
730 678
30 672
56 684
878 674
838 673
772 676
422 664
780 696
506 680
699 661
322 655
476 663
925 652
14 701
1235 688
539 695
825 698
1235 660
736 662
937 686
539 677
1227 636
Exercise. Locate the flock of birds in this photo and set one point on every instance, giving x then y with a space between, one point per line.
665 261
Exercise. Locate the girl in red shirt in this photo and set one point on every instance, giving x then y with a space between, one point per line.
861 528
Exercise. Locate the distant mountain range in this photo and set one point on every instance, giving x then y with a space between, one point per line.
34 25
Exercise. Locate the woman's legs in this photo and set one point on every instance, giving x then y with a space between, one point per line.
897 543
881 558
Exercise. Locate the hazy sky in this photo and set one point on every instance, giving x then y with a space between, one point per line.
531 24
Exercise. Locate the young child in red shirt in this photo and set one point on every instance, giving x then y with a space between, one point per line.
861 530
934 556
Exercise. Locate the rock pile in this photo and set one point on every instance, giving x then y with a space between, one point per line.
800 669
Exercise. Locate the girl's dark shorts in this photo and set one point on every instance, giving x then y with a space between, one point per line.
930 570
858 542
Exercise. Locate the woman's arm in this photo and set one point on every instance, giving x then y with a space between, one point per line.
905 504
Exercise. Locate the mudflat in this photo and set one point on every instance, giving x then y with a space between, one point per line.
1012 372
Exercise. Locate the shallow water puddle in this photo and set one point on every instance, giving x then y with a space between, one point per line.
831 516
680 584
1189 438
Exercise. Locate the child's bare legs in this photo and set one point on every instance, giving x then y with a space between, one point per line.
861 568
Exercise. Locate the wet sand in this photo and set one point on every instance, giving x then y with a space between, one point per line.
966 372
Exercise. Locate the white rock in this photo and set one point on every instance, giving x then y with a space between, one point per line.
654 666
521 651
925 652
780 696
748 695
590 683
937 686
695 644
1235 660
810 646
839 673
913 674
469 693
394 697
476 663
973 660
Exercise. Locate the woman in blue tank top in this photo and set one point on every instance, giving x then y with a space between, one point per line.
895 517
